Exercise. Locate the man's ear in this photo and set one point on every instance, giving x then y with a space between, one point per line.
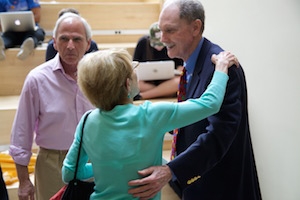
54 43
197 25
89 44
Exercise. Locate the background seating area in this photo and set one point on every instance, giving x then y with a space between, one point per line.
115 24
111 22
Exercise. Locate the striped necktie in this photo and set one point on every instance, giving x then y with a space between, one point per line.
181 96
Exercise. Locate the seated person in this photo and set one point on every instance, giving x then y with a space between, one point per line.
149 48
28 39
51 51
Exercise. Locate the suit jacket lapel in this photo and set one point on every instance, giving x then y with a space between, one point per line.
195 79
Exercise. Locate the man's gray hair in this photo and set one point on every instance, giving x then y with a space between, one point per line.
189 10
86 25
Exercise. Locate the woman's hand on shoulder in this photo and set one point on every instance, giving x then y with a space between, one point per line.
224 60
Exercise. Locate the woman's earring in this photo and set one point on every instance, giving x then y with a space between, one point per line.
128 95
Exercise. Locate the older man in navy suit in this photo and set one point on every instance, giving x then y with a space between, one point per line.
214 157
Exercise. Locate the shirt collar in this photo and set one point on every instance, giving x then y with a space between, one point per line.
57 64
191 61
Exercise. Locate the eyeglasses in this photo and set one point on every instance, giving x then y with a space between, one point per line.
135 64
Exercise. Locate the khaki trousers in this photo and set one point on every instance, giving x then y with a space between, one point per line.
167 193
48 177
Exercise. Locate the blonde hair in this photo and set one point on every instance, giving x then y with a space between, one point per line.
102 77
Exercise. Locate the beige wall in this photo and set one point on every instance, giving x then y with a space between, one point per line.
265 35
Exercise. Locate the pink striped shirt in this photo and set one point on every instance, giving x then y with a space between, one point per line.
50 108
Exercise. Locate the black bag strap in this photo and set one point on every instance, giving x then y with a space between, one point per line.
78 156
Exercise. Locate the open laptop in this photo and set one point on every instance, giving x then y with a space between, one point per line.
18 21
156 70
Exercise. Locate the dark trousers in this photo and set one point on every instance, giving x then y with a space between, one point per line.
12 39
3 190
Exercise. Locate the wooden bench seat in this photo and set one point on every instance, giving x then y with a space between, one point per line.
116 24
110 21
13 71
8 107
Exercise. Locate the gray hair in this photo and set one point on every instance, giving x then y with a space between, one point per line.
86 25
189 10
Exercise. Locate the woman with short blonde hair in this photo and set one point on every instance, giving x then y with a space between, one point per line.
120 138
103 77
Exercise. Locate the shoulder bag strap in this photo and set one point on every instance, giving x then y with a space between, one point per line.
78 156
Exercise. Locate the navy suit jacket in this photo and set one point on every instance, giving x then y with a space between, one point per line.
215 157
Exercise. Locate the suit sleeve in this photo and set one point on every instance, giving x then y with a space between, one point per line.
212 145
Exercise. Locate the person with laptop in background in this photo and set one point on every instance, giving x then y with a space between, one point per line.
27 40
149 48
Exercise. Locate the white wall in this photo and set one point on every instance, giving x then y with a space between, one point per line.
265 35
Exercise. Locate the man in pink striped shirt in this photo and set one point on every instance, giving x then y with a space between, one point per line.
50 107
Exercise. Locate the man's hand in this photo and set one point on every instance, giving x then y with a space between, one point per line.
26 190
155 178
